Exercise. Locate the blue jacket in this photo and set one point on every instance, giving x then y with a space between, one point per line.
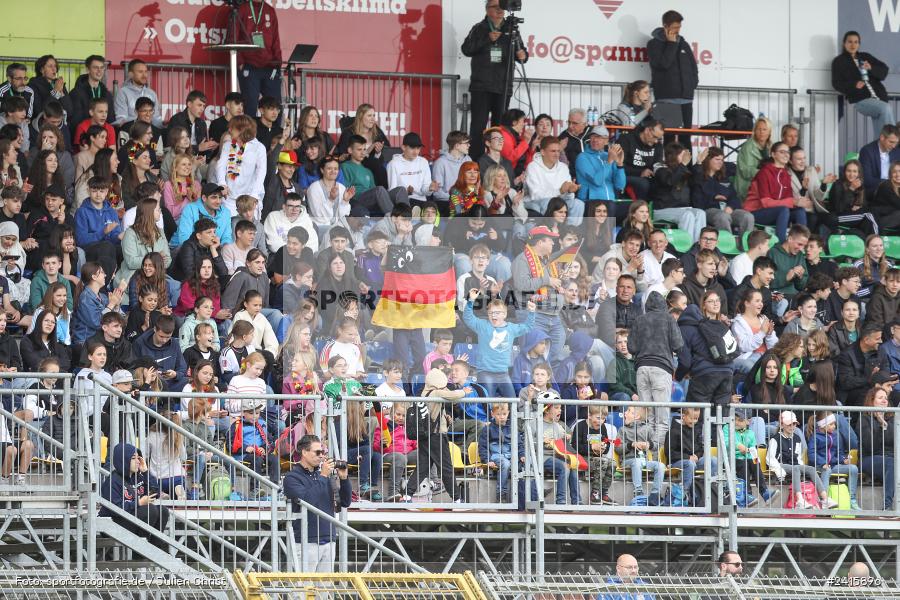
123 488
495 344
494 439
694 357
305 178
705 189
825 449
579 346
624 595
90 223
889 358
523 364
316 490
86 320
870 159
599 179
167 357
192 213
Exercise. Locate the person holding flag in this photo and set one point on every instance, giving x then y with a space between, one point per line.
536 278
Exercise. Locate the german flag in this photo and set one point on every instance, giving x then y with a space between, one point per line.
419 288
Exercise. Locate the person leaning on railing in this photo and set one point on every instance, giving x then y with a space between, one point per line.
859 76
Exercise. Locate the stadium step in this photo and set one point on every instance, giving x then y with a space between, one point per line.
141 546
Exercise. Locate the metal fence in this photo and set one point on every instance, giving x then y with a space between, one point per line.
836 128
556 97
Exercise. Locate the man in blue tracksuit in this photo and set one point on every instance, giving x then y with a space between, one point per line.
310 482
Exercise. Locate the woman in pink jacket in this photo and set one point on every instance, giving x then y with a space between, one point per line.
399 452
770 197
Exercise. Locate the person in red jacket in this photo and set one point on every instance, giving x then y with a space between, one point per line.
260 70
770 198
515 144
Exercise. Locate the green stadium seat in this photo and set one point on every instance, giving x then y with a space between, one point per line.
727 243
849 246
892 246
680 239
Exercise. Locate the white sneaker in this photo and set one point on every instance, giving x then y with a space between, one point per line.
180 493
4 480
830 503
802 504
21 479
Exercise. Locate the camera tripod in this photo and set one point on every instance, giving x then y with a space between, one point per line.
513 22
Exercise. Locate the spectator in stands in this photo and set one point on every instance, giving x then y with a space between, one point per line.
858 77
747 464
235 254
653 340
310 481
827 454
158 345
886 204
447 167
755 333
492 155
208 207
713 192
132 489
204 243
137 171
810 191
135 87
790 262
47 86
672 272
42 343
89 86
51 137
15 87
93 302
515 144
554 430
252 277
685 450
573 139
846 330
638 219
642 149
370 198
292 214
467 189
96 160
282 182
848 199
751 154
770 198
411 172
855 366
711 380
488 45
889 354
741 266
785 457
242 163
884 303
143 126
178 141
790 134
670 191
309 128
97 227
181 188
635 105
268 131
47 276
877 444
807 321
638 438
631 261
111 336
234 106
704 279
873 265
600 174
848 280
98 114
45 173
818 267
14 111
10 173
41 223
191 119
546 177
876 157
673 69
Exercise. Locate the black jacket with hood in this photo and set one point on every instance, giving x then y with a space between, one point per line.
9 352
81 96
694 357
845 75
489 76
655 337
124 488
673 69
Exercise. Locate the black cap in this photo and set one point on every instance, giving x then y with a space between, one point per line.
882 377
55 190
742 413
210 188
412 140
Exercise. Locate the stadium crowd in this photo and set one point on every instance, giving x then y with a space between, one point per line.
247 255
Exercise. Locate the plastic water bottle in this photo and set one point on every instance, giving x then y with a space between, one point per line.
642 459
591 115
863 72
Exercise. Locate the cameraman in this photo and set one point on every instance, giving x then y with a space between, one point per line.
260 70
490 86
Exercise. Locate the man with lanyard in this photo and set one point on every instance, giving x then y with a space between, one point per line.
491 83
16 75
260 70
535 274
89 86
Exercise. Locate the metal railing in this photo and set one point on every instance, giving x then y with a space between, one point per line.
557 96
836 128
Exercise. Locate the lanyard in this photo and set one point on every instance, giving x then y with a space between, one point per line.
253 16
96 92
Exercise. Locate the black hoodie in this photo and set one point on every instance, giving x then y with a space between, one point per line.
655 337
9 352
81 96
673 68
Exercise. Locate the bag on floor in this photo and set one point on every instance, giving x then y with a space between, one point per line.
675 496
841 494
807 491
218 483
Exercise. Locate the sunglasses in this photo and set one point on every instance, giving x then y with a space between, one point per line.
317 452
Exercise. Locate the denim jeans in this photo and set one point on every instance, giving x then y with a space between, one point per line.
368 462
780 217
689 219
563 476
496 385
688 467
553 327
199 467
655 385
880 112
254 81
636 467
504 464
851 471
881 468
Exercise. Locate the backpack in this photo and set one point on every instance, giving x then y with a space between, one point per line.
675 496
418 421
639 501
738 118
720 342
218 483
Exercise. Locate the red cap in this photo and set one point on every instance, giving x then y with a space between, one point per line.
542 230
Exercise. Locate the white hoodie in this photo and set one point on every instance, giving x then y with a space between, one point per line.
277 227
542 183
415 173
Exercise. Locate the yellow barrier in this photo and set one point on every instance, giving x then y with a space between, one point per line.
367 586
